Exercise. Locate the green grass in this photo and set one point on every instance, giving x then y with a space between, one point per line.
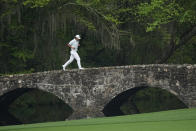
175 120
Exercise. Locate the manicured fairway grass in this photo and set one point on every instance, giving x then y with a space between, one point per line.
175 120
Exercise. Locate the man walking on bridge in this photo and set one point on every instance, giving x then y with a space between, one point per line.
73 44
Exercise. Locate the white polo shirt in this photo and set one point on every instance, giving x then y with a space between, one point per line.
74 43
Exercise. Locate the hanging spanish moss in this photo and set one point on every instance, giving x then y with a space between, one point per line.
108 32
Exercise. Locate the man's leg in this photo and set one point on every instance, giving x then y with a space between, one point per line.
77 57
68 62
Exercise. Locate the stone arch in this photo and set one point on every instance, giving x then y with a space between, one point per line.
5 100
173 90
36 86
10 96
112 108
116 101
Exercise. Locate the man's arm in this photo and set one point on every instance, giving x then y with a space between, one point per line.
70 46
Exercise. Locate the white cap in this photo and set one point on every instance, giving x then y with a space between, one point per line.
78 36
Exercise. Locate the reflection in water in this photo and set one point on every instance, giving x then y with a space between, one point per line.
151 100
113 108
35 106
7 119
142 100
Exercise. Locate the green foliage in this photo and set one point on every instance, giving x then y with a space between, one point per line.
188 16
36 3
185 55
14 52
87 23
24 55
10 1
112 19
159 12
33 38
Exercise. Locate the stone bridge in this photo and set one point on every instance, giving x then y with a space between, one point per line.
89 91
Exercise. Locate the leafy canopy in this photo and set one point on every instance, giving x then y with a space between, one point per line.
159 12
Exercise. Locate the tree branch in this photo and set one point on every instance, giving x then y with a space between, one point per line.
174 46
186 37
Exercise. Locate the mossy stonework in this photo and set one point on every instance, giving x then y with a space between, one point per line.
88 91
